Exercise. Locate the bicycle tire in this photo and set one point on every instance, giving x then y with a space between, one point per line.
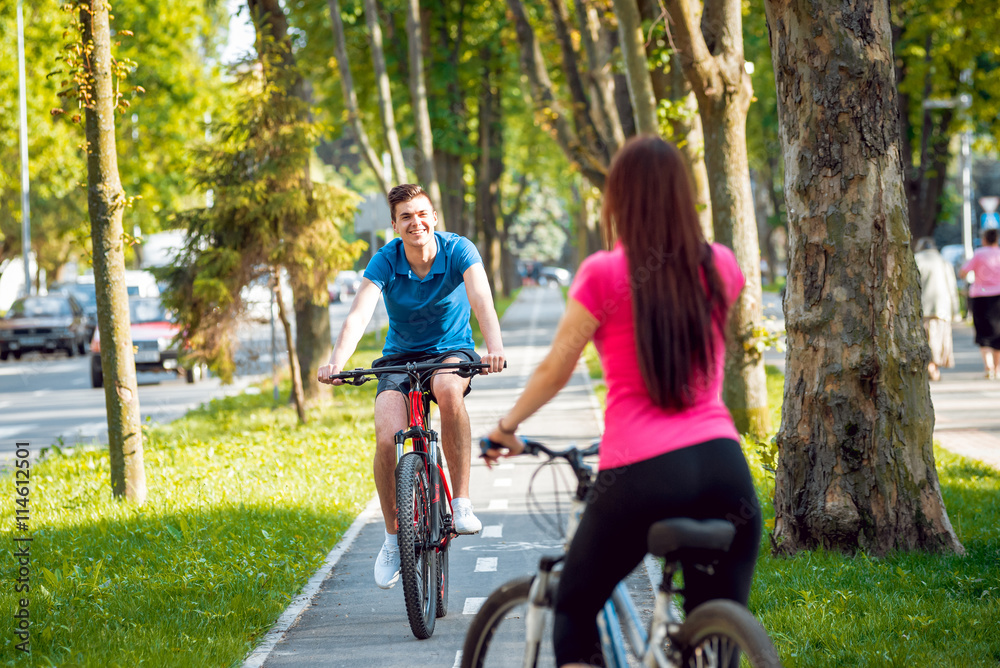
442 580
417 567
497 636
723 629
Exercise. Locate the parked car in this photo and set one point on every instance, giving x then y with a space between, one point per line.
256 297
557 275
153 339
46 323
86 295
138 283
346 284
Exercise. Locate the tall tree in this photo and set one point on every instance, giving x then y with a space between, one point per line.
856 462
309 278
418 96
710 49
640 86
384 94
98 78
351 97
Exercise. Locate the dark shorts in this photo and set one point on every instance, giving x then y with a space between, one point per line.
400 382
986 318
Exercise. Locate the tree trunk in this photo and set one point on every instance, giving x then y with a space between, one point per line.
640 86
724 92
298 394
384 94
602 84
489 170
422 118
106 204
690 139
856 462
351 98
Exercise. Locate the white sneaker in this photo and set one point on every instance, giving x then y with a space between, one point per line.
464 521
387 566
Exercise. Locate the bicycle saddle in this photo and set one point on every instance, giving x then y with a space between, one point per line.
683 533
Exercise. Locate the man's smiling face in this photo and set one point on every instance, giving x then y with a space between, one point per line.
415 221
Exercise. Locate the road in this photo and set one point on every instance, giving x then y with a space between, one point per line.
48 400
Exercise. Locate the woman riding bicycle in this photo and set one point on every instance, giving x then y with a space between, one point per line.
655 307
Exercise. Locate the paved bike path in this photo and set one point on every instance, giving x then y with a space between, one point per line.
350 622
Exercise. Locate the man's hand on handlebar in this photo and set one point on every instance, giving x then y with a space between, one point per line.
495 361
327 370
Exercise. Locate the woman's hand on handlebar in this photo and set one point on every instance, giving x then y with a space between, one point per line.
500 445
327 370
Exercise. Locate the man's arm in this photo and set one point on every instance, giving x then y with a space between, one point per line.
477 286
352 330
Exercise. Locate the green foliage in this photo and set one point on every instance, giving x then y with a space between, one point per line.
265 212
168 53
244 506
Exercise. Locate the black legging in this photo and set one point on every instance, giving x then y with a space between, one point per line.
708 480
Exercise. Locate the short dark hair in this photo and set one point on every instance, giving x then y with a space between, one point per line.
990 236
404 193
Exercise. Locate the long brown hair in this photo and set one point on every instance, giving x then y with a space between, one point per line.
649 207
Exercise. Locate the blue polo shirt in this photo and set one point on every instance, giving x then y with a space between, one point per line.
429 315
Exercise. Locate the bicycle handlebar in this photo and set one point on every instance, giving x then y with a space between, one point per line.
573 455
361 376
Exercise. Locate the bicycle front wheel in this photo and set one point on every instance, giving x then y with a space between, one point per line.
417 562
719 633
500 637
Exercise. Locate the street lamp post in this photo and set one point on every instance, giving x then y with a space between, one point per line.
25 205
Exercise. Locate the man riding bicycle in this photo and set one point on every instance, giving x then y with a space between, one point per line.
419 275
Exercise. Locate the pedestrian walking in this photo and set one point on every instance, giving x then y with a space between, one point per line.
939 301
984 299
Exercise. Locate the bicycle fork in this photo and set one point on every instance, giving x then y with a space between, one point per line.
540 598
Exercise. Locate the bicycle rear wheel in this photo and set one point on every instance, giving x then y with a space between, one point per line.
417 562
498 636
720 632
442 561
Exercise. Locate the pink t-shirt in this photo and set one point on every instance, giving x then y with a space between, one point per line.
986 263
635 428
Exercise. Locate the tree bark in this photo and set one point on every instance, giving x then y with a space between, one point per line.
384 94
640 86
724 92
856 462
488 172
351 97
106 204
422 118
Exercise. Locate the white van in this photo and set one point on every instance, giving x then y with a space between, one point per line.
138 283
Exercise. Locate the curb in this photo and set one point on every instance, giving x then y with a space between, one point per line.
259 654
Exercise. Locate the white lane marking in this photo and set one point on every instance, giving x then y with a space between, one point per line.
4 404
7 432
498 504
492 531
40 393
503 482
458 660
508 465
472 605
91 429
486 565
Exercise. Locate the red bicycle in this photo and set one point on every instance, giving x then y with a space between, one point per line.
423 513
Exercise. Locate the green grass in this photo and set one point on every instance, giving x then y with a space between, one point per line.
907 609
244 504
777 286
